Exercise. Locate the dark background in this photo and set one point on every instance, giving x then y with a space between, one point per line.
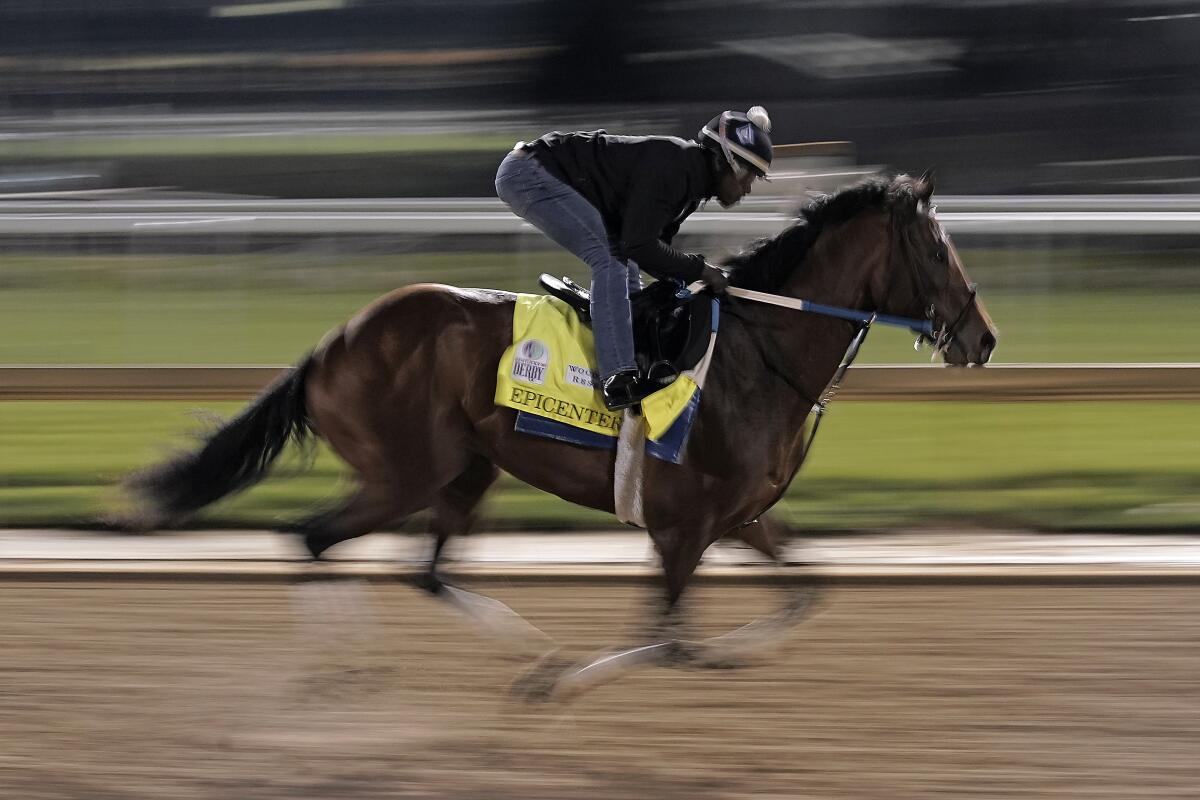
1003 97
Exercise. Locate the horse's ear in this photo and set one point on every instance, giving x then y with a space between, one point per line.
924 186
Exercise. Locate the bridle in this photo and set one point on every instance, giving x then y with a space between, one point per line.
942 337
927 329
938 337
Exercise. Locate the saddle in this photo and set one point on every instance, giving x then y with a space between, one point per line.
670 327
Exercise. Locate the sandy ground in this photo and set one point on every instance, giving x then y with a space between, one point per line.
369 690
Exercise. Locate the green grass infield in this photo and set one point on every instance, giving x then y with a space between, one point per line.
1052 466
271 308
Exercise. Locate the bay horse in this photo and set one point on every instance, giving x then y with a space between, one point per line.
403 393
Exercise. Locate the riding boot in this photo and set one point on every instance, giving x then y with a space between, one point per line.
626 388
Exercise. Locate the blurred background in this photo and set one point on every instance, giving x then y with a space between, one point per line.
191 182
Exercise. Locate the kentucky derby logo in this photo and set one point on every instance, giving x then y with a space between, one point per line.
529 362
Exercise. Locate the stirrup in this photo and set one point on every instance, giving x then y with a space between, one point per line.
626 389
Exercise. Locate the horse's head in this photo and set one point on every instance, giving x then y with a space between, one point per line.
926 278
915 271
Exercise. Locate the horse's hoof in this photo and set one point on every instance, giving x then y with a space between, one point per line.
426 582
314 548
531 689
680 653
538 683
716 660
803 605
307 549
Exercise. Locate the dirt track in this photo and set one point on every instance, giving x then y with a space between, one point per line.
222 690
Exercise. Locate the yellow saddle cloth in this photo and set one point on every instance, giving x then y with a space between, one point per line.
550 371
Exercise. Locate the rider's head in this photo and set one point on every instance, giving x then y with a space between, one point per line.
741 146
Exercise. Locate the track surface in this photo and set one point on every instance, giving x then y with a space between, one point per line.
177 689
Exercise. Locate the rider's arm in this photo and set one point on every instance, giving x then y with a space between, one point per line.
651 208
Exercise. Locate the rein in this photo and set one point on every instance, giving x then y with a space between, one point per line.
864 319
926 329
921 326
836 383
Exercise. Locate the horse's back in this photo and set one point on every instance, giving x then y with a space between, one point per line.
429 304
410 342
396 323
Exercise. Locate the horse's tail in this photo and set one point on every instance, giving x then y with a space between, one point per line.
234 457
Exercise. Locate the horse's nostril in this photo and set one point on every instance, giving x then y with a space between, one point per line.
987 344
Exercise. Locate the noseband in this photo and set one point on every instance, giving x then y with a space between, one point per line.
941 336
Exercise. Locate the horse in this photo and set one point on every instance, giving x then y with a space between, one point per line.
403 393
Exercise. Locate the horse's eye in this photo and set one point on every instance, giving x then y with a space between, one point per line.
940 255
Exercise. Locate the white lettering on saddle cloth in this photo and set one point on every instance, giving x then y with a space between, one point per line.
530 360
581 376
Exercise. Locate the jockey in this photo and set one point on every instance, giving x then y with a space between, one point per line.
617 201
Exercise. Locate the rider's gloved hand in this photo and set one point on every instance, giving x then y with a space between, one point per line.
714 278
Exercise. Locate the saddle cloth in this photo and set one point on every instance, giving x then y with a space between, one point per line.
549 376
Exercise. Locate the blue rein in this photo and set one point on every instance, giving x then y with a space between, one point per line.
921 326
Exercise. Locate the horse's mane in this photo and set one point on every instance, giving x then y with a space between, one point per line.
766 263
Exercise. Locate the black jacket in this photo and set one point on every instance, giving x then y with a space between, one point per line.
643 186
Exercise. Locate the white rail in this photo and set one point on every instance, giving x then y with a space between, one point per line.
744 224
1006 216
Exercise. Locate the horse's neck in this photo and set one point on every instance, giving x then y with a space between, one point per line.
842 264
838 271
776 363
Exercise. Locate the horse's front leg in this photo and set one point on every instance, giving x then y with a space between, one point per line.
762 638
680 552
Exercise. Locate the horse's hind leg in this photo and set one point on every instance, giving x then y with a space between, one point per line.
371 506
454 512
335 611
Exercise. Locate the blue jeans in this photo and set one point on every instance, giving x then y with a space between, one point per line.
569 220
